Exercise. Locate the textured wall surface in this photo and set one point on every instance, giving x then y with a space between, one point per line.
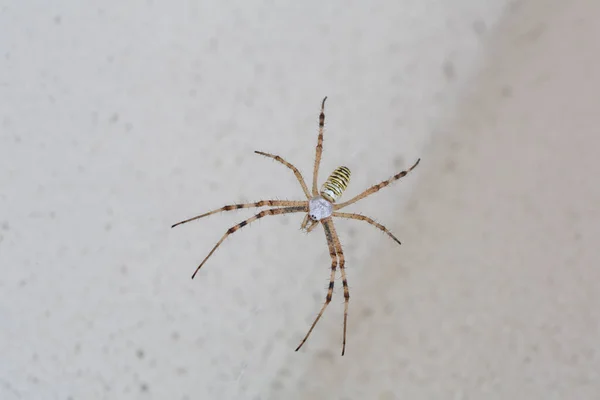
117 121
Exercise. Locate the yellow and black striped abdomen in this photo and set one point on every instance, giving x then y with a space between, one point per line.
335 185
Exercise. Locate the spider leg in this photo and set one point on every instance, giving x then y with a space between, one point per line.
338 249
312 226
305 222
315 191
290 166
367 219
262 203
272 211
375 188
334 262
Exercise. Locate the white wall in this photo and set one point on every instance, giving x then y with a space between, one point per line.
121 119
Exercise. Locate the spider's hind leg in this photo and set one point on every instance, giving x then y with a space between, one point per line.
319 150
290 166
376 188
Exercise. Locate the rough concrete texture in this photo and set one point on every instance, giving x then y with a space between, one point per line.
120 120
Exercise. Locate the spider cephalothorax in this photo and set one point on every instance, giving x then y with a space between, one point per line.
320 207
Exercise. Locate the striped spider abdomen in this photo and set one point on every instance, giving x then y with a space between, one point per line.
335 185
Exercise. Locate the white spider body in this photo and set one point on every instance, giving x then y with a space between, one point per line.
319 208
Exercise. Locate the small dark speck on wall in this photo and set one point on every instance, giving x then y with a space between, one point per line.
140 354
450 165
506 91
479 27
449 70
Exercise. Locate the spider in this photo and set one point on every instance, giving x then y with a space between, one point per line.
320 207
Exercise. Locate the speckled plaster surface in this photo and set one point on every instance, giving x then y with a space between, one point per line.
118 121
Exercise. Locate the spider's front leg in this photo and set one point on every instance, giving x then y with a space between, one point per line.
334 263
231 207
312 226
305 224
361 217
235 228
328 224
